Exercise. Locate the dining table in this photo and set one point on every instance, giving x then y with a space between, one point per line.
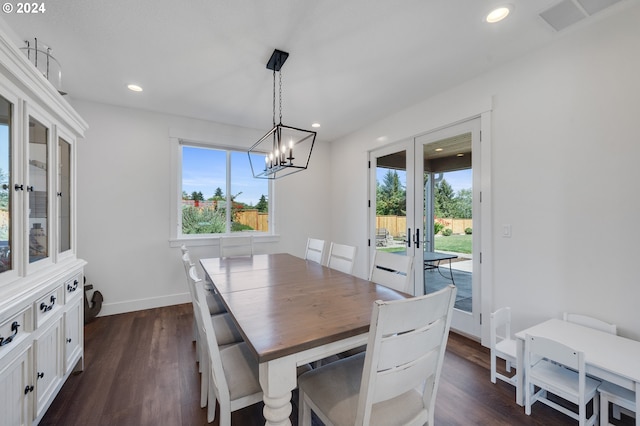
291 312
607 356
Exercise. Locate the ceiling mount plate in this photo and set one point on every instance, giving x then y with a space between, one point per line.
277 60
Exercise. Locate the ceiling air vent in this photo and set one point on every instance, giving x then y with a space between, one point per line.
562 15
568 12
595 6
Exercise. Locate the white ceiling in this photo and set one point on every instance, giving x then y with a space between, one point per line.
351 62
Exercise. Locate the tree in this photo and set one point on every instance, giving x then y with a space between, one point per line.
448 204
464 204
197 196
262 206
391 196
444 199
218 194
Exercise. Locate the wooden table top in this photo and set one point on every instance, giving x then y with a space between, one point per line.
283 304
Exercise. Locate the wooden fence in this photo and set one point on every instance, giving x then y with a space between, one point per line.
253 218
397 225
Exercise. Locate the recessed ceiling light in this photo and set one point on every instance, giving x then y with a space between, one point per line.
134 88
438 149
460 155
498 14
316 125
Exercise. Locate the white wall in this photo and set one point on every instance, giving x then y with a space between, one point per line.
565 147
124 202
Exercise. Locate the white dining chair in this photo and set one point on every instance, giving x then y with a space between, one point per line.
230 373
392 270
502 345
315 250
341 257
223 324
236 246
623 401
560 370
396 381
214 302
590 322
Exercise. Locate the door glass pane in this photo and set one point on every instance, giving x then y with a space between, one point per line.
391 202
37 190
448 217
249 195
64 192
5 185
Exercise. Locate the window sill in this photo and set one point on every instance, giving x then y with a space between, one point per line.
209 240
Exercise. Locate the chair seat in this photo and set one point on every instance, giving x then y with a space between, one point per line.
617 392
335 389
623 400
225 329
240 370
507 347
561 381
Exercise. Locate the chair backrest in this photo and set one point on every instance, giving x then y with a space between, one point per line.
341 257
590 322
188 264
500 325
236 246
209 341
315 250
539 349
405 351
392 270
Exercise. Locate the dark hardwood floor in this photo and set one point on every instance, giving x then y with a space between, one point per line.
140 369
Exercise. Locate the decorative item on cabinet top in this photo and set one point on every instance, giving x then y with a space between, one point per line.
40 56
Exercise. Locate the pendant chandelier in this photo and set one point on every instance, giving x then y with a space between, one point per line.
284 150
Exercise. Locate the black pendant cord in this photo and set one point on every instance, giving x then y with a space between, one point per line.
280 94
274 98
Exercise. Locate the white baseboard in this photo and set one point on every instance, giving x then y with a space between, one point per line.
142 304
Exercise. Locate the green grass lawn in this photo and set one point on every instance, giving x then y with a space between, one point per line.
455 243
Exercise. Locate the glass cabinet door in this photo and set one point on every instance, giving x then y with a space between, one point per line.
64 195
6 109
37 190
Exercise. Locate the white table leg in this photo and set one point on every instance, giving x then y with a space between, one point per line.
277 379
520 372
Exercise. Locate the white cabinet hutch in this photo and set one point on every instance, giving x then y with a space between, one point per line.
41 279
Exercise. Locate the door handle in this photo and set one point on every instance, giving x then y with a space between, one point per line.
417 238
408 237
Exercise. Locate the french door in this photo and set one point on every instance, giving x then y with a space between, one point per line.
447 166
391 186
404 180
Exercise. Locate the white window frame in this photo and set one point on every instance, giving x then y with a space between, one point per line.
176 236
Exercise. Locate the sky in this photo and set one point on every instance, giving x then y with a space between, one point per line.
204 170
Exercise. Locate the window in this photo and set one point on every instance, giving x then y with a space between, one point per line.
214 179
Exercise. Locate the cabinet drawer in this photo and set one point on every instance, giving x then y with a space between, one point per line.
47 305
72 288
15 329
